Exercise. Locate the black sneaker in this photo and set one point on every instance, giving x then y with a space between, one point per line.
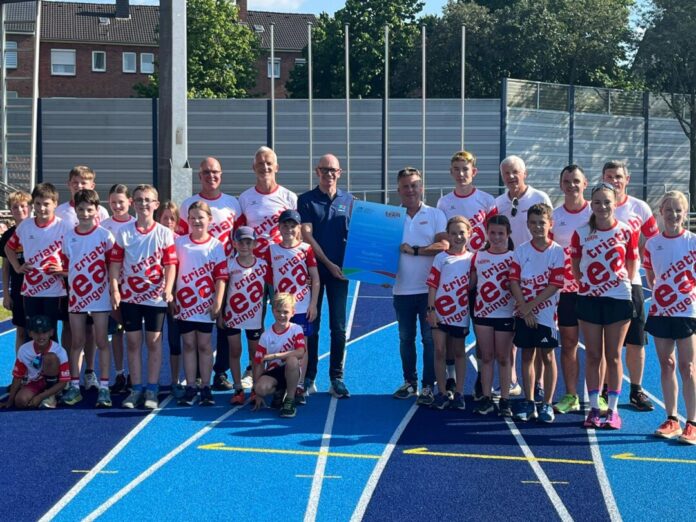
120 384
641 402
278 397
288 410
478 391
207 397
190 397
451 386
300 396
485 406
504 409
221 383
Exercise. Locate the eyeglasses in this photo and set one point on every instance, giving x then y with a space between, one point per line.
328 170
143 201
211 171
603 186
515 204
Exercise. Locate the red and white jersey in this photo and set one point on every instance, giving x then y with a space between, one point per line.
450 276
88 272
28 362
476 207
144 254
493 297
42 245
272 342
603 255
290 268
66 212
113 225
200 266
565 223
637 214
518 222
673 260
261 211
226 211
244 299
535 270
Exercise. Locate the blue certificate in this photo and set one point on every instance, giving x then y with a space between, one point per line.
374 238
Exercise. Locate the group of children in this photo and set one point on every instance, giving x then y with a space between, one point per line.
102 276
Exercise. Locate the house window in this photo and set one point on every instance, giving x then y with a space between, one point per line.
98 61
130 63
276 68
300 61
147 63
63 62
10 55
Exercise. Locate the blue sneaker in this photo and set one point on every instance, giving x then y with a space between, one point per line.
538 393
441 401
527 412
546 414
338 389
457 402
485 407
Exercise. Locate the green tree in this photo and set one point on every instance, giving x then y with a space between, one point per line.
666 61
222 53
366 19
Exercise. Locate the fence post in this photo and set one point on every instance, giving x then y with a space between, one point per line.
269 124
155 139
646 142
571 124
39 141
503 126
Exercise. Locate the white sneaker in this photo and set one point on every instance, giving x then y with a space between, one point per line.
150 400
248 379
91 381
49 403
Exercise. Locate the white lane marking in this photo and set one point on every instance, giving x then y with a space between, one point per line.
318 479
351 315
558 504
70 495
379 467
384 327
157 465
8 331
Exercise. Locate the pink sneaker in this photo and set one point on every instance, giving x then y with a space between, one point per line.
593 419
613 421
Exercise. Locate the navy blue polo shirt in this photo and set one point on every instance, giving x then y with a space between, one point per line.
330 219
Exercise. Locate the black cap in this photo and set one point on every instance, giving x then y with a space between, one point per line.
290 215
40 324
244 233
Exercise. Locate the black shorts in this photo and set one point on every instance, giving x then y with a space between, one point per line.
636 332
48 306
19 318
278 373
499 324
456 332
540 337
194 326
671 327
134 315
114 326
603 310
301 319
251 335
566 309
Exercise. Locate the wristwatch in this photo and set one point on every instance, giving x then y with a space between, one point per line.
415 249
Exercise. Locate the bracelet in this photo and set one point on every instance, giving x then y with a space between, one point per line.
415 249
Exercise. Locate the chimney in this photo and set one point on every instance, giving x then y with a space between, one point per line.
243 11
122 9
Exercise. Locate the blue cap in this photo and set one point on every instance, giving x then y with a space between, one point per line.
244 233
290 215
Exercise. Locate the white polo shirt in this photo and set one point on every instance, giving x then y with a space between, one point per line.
518 222
419 230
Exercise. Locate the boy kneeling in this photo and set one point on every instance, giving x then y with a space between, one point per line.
41 369
278 356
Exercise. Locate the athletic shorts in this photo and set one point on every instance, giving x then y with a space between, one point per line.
301 319
456 332
114 326
37 386
603 310
278 373
636 332
499 324
251 335
19 318
134 314
48 306
671 327
540 337
194 326
566 309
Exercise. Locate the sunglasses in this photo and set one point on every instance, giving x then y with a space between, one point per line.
603 186
36 362
515 204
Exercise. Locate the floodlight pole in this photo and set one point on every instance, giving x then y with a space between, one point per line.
385 119
463 109
3 95
310 99
423 94
346 46
273 113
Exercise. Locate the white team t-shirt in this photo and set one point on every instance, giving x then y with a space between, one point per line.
225 210
476 207
518 222
144 255
493 297
673 260
292 338
88 272
200 266
450 276
66 212
244 299
113 225
290 268
603 255
261 211
535 270
42 245
28 355
565 223
637 214
419 230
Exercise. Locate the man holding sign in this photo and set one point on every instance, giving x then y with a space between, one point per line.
423 237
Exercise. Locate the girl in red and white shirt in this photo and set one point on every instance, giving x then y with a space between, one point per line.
670 267
198 296
604 254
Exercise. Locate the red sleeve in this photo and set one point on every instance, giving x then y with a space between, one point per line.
64 375
13 243
515 273
649 228
240 221
647 260
116 254
64 261
259 354
311 258
182 227
220 271
267 257
433 280
575 246
19 370
632 246
169 255
268 275
557 277
299 341
493 212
